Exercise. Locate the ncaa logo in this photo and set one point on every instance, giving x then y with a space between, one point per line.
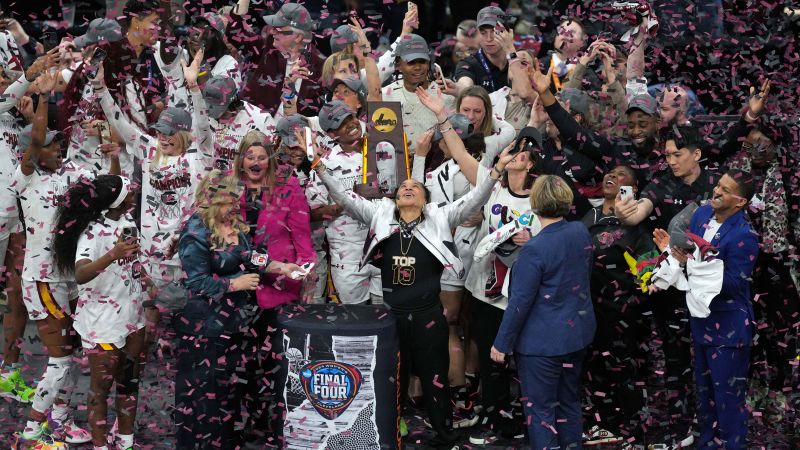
330 386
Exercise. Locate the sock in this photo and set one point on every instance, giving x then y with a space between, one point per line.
59 412
55 376
124 441
33 430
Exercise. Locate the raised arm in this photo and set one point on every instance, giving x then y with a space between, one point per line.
16 90
498 141
125 128
461 209
357 206
635 65
244 37
363 56
466 162
46 85
201 128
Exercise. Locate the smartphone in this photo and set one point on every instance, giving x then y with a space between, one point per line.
310 154
93 65
626 192
304 270
130 234
411 5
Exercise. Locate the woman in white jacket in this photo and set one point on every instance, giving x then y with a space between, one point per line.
412 244
173 164
448 182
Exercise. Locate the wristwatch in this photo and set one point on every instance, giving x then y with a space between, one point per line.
512 55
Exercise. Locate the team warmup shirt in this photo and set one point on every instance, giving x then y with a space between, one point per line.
168 182
110 306
228 135
40 194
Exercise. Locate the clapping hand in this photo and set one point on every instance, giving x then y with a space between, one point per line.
435 103
424 143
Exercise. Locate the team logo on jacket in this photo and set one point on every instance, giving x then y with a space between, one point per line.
330 386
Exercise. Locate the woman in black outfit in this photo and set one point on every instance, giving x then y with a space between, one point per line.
412 244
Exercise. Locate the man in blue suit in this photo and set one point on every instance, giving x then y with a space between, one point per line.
722 339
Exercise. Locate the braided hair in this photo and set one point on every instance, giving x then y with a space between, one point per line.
83 204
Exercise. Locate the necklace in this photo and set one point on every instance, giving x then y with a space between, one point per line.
407 228
405 252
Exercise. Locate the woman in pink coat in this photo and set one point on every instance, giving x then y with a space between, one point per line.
274 205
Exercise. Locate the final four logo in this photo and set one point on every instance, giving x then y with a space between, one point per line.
330 386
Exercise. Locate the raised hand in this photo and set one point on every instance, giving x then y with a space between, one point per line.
661 239
363 42
541 81
411 19
758 100
46 82
41 64
424 143
506 39
435 103
505 157
124 249
192 71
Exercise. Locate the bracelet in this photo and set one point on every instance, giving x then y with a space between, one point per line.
445 120
318 163
749 116
499 173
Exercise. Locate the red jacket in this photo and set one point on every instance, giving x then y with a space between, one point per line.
266 69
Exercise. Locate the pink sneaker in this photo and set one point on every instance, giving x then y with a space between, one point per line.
67 431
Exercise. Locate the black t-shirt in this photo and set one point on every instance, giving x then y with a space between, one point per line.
473 68
410 274
670 195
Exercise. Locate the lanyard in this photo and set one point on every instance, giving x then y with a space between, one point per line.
485 64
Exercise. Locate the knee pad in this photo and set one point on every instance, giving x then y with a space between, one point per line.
56 376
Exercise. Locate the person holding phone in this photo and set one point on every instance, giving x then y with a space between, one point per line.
488 67
662 199
413 61
96 241
616 363
550 320
173 163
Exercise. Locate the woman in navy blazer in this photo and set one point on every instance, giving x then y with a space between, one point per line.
550 320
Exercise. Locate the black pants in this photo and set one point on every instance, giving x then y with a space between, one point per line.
495 378
208 399
265 373
423 350
671 319
776 306
615 363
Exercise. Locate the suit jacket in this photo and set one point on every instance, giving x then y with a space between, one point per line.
730 323
550 310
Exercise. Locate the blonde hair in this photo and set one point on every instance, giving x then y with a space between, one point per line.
551 196
329 67
215 190
257 139
184 141
479 92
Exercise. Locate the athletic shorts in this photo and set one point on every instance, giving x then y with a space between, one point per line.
44 299
354 285
107 346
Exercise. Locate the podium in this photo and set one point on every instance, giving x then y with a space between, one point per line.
342 386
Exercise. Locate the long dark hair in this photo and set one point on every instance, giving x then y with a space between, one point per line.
83 203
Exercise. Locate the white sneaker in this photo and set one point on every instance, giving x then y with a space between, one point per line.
599 436
67 431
